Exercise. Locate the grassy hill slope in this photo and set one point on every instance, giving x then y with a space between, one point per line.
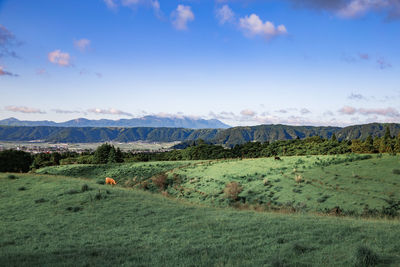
49 221
122 173
357 184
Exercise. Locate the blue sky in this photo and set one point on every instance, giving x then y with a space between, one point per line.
309 62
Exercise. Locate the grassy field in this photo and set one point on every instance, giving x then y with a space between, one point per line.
124 174
53 220
356 184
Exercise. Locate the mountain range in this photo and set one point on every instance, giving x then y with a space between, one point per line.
146 121
228 137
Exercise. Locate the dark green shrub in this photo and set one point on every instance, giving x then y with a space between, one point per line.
74 209
322 199
278 262
40 200
365 257
99 196
280 241
12 177
396 171
300 249
85 188
72 191
22 188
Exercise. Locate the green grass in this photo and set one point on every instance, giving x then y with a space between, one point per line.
53 222
122 173
357 184
352 182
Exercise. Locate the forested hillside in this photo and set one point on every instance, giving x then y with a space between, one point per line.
229 137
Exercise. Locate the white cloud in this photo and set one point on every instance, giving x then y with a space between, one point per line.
355 8
23 109
82 44
252 26
347 110
248 113
110 111
225 14
388 112
181 16
59 58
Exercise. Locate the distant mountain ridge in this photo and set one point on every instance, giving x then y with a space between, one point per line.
228 137
146 121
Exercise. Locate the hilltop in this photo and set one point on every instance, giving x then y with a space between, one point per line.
146 121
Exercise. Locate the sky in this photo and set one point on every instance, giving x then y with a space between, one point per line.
244 62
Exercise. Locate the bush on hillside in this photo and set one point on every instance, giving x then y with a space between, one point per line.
365 257
160 181
232 190
85 188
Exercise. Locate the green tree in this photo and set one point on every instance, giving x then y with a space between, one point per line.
15 161
356 146
383 145
41 160
119 156
387 134
55 158
101 154
112 155
377 144
334 139
369 144
397 144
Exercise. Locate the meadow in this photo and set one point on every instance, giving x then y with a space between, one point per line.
49 220
123 173
352 184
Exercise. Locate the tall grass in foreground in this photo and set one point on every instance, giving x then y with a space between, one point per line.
108 226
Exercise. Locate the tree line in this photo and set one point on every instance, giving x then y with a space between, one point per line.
18 161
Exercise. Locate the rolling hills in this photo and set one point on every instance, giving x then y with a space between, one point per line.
355 183
228 137
146 121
